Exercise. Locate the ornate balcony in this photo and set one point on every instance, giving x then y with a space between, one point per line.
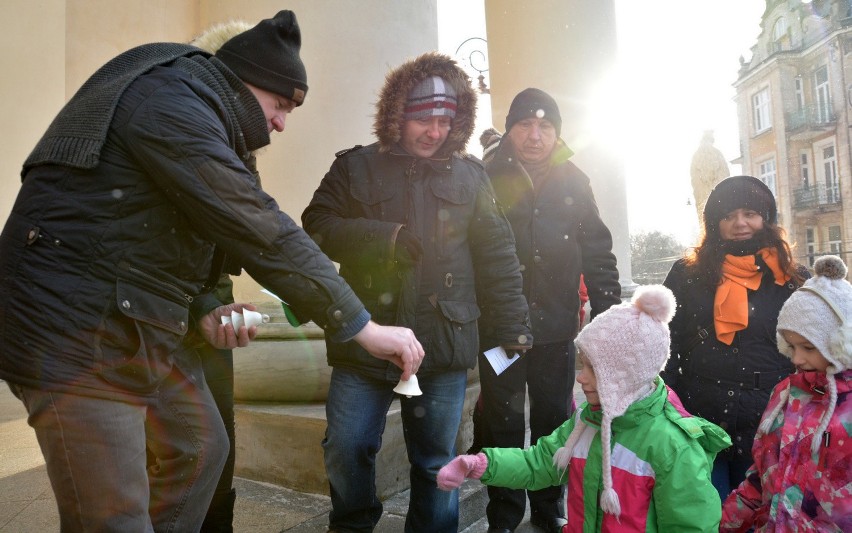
803 124
816 196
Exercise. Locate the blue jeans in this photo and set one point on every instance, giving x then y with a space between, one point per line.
95 452
356 410
727 474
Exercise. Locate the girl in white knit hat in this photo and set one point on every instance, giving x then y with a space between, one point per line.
632 458
801 479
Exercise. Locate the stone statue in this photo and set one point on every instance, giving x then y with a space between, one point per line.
708 168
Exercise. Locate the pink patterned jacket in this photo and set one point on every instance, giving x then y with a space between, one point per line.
788 488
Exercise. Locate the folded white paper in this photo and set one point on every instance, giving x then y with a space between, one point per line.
499 360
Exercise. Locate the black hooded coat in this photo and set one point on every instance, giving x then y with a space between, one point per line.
371 192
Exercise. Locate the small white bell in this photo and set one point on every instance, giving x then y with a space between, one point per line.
247 318
236 320
253 318
408 388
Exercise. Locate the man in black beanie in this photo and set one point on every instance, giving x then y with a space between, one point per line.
139 194
267 56
559 236
287 79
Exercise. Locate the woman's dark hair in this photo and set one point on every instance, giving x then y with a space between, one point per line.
705 260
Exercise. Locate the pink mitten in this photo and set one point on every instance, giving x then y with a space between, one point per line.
464 466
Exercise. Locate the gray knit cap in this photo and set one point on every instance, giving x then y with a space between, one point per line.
432 97
820 311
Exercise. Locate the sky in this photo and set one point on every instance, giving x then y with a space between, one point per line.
678 60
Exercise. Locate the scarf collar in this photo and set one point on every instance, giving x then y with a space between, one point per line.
245 108
741 273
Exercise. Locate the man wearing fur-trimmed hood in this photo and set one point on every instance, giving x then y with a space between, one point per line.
413 222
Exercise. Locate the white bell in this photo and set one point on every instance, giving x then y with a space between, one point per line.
248 319
408 388
253 318
236 320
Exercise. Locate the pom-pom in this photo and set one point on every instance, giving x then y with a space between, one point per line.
610 503
562 457
831 267
488 137
656 301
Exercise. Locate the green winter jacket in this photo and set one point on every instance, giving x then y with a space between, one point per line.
661 463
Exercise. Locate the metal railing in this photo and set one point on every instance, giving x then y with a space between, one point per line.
810 116
816 195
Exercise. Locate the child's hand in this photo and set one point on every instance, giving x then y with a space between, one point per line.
464 466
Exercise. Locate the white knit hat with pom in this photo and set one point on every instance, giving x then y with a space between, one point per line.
821 312
627 346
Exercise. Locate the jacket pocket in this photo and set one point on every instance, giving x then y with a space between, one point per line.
138 335
370 193
455 337
453 192
455 211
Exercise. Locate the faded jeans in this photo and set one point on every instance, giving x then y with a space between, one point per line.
94 449
356 410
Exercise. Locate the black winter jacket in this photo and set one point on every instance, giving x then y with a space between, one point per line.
727 385
559 235
370 193
102 270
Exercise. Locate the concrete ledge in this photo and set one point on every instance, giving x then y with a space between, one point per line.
280 444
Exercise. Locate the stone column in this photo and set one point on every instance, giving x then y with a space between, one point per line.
568 49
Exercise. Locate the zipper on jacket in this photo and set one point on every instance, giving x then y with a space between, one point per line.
155 281
409 180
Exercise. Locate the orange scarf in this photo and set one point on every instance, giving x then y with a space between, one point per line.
739 275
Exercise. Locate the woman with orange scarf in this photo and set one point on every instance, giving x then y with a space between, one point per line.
729 289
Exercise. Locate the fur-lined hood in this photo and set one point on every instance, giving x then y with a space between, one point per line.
399 82
214 37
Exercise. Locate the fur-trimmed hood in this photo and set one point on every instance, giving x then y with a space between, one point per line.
215 36
399 82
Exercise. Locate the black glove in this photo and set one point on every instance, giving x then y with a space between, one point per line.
407 249
515 348
512 352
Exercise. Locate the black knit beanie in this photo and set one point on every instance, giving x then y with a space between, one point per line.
737 192
267 56
534 103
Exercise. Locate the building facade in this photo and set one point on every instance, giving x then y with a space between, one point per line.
794 105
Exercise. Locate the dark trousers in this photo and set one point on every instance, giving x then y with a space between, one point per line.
546 374
219 374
